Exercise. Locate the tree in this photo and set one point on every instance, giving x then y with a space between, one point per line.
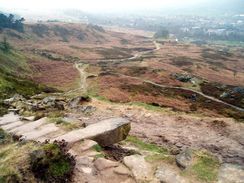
11 22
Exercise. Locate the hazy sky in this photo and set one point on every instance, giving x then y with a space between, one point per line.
94 5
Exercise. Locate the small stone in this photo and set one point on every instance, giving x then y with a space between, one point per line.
121 170
184 159
102 164
139 167
168 175
30 118
86 170
174 151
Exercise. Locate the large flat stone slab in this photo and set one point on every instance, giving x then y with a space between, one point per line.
12 125
105 132
28 127
40 132
9 118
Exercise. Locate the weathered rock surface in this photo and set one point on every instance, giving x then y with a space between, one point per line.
43 130
77 101
102 164
105 132
230 173
9 118
168 175
28 127
140 168
184 159
12 125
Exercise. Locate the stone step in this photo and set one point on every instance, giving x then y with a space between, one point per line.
28 127
40 132
105 132
51 135
9 118
10 126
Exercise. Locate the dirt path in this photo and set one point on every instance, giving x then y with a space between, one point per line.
187 89
82 83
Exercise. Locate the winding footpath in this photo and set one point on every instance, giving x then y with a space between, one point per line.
83 76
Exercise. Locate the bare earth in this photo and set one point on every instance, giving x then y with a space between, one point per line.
222 136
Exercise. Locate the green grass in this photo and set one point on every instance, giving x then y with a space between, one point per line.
160 158
13 157
147 106
68 126
146 146
13 70
205 167
97 148
13 62
59 168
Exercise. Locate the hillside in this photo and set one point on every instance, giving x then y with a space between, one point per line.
129 108
14 77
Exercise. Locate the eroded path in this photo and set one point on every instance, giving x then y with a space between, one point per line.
221 136
82 81
83 86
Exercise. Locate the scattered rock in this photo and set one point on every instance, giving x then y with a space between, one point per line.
184 159
229 173
77 101
49 100
30 118
84 165
168 175
139 167
15 98
121 170
102 164
87 109
183 77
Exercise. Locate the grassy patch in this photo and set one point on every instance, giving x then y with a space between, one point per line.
101 155
14 161
13 72
160 158
205 167
68 126
147 106
97 148
4 137
146 146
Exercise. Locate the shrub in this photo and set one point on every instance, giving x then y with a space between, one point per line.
52 162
